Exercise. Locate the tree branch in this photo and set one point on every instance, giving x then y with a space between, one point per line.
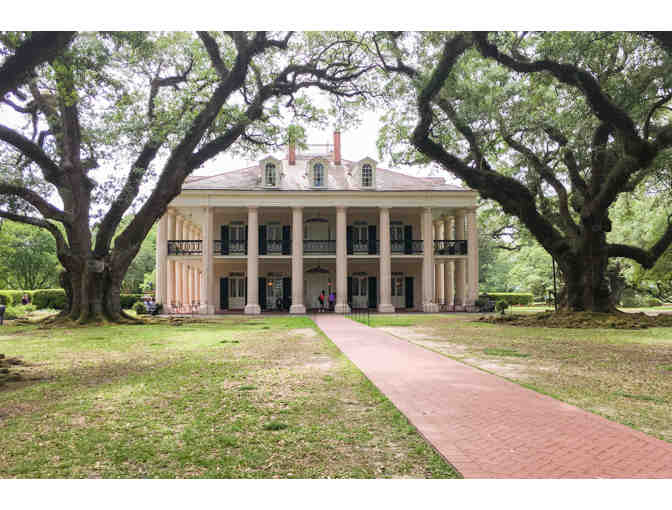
51 171
45 208
41 47
61 245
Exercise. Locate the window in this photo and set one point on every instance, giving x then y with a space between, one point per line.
318 175
367 176
237 287
270 174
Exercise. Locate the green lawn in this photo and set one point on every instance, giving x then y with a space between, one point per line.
624 375
235 398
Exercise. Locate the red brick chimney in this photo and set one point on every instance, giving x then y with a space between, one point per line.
292 153
337 147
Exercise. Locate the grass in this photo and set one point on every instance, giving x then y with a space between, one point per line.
232 398
623 375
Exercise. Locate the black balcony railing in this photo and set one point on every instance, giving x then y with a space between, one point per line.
230 247
368 247
407 246
323 246
185 247
279 247
450 247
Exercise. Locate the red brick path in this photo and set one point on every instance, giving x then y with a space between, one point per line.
488 427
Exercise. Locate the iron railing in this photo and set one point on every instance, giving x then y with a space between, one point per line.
450 247
407 246
322 246
279 247
362 315
185 247
230 247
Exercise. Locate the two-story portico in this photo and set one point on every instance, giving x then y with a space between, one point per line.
277 234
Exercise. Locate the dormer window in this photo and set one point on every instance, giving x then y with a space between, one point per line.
270 172
367 176
270 175
318 175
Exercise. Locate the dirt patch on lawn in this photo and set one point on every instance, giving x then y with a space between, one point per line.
416 334
583 320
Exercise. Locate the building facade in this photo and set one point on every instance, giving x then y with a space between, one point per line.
277 235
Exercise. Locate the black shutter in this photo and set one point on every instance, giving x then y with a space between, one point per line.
246 290
286 240
262 293
262 240
408 239
286 293
409 291
224 247
372 239
246 243
224 293
373 292
349 235
350 291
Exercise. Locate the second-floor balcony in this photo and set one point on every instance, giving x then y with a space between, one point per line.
185 247
450 247
318 247
321 247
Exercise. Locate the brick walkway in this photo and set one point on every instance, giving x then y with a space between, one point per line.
488 427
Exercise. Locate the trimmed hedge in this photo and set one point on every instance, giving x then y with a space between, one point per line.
128 300
512 298
49 298
13 297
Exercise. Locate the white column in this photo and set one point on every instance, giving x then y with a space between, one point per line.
252 306
385 305
161 260
460 270
189 283
298 305
179 270
438 267
341 262
170 271
472 256
448 281
428 304
185 267
208 299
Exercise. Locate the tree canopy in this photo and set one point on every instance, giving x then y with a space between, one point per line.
553 126
115 122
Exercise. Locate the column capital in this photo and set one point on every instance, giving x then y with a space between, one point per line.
297 208
384 208
341 208
252 207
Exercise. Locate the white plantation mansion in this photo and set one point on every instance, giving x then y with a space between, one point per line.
274 236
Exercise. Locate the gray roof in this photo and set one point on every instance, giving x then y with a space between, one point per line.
339 177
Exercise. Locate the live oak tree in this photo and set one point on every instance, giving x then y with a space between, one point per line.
554 127
115 122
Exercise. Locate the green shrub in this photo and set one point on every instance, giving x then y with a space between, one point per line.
139 307
513 298
128 300
18 312
502 305
50 298
6 297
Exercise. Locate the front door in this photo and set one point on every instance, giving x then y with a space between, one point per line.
360 295
236 292
398 292
313 285
274 293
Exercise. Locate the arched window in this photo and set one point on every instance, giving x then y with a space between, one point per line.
367 176
318 174
270 174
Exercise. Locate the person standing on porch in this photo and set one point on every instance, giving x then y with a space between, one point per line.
321 299
332 300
